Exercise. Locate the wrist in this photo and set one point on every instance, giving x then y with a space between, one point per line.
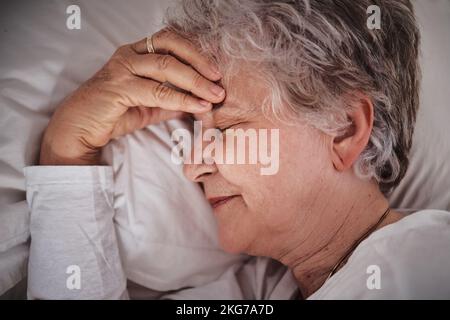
67 153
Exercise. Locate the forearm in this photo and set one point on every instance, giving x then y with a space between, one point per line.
74 252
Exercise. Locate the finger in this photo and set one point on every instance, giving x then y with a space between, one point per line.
139 117
160 115
140 47
166 68
166 41
149 93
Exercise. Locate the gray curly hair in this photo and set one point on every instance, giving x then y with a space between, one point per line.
314 55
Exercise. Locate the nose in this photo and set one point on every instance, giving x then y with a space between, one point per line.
198 172
199 167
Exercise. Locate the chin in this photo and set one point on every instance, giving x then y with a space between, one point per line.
231 242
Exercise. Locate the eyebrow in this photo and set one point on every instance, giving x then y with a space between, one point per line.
226 116
217 107
228 103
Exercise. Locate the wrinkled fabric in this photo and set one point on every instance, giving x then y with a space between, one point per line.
72 225
411 259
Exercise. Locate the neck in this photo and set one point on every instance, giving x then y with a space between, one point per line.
350 223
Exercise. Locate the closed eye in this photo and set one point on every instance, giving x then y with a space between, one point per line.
228 127
224 129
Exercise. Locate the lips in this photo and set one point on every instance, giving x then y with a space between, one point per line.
218 201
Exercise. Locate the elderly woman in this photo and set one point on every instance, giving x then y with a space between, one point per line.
343 97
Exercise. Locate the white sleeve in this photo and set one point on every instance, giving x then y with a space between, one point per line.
73 252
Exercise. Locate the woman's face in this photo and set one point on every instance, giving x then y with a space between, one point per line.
262 213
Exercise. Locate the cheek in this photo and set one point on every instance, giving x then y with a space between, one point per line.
272 205
304 165
248 180
240 222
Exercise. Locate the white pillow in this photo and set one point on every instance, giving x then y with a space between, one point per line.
41 61
165 226
426 184
166 242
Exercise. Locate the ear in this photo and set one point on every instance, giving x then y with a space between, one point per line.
347 147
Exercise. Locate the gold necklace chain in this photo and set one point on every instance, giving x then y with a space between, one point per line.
353 247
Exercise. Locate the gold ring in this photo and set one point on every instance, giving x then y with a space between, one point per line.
150 47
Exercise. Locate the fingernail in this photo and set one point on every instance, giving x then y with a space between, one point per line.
218 91
205 103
